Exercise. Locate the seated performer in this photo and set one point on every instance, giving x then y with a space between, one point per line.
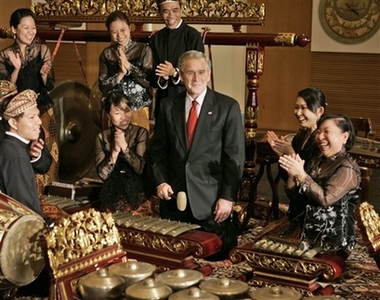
120 157
198 148
309 107
330 190
39 154
21 147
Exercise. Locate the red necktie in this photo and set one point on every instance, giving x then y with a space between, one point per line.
191 123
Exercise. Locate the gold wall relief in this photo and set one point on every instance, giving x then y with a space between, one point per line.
145 11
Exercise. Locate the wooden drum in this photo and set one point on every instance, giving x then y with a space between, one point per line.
21 255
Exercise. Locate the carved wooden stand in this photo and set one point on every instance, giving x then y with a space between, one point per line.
78 245
270 268
168 252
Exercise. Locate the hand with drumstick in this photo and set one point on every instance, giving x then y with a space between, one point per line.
45 71
165 192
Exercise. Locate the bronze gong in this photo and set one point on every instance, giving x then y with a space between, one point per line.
76 129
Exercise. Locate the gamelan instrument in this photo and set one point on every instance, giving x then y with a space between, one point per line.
84 189
6 87
21 255
164 243
80 244
281 259
76 129
67 205
369 224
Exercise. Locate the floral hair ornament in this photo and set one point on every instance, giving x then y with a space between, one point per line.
20 103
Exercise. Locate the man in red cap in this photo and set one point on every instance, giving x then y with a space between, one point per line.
168 44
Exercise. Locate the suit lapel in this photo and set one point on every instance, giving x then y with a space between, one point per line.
179 120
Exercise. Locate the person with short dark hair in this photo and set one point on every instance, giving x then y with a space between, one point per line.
120 157
168 44
309 108
27 63
198 148
22 126
39 154
330 189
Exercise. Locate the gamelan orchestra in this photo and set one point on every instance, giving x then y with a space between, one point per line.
138 187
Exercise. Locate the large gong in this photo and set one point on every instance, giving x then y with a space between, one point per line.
76 129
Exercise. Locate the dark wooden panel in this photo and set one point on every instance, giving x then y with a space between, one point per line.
286 70
351 83
66 63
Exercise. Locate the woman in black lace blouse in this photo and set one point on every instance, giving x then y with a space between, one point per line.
120 157
309 107
125 65
27 63
330 190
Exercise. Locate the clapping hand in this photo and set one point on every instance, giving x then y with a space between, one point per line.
165 70
15 59
120 142
293 164
279 144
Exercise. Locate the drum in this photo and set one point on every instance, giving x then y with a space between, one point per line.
21 255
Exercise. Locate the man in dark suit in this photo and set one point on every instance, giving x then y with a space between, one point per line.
209 167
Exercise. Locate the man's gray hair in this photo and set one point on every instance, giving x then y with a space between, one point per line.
192 54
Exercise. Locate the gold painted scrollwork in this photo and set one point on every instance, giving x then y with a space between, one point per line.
293 265
154 242
371 223
214 11
80 234
285 39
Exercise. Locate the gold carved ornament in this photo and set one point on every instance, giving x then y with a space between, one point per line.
199 11
78 235
371 223
160 242
290 265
